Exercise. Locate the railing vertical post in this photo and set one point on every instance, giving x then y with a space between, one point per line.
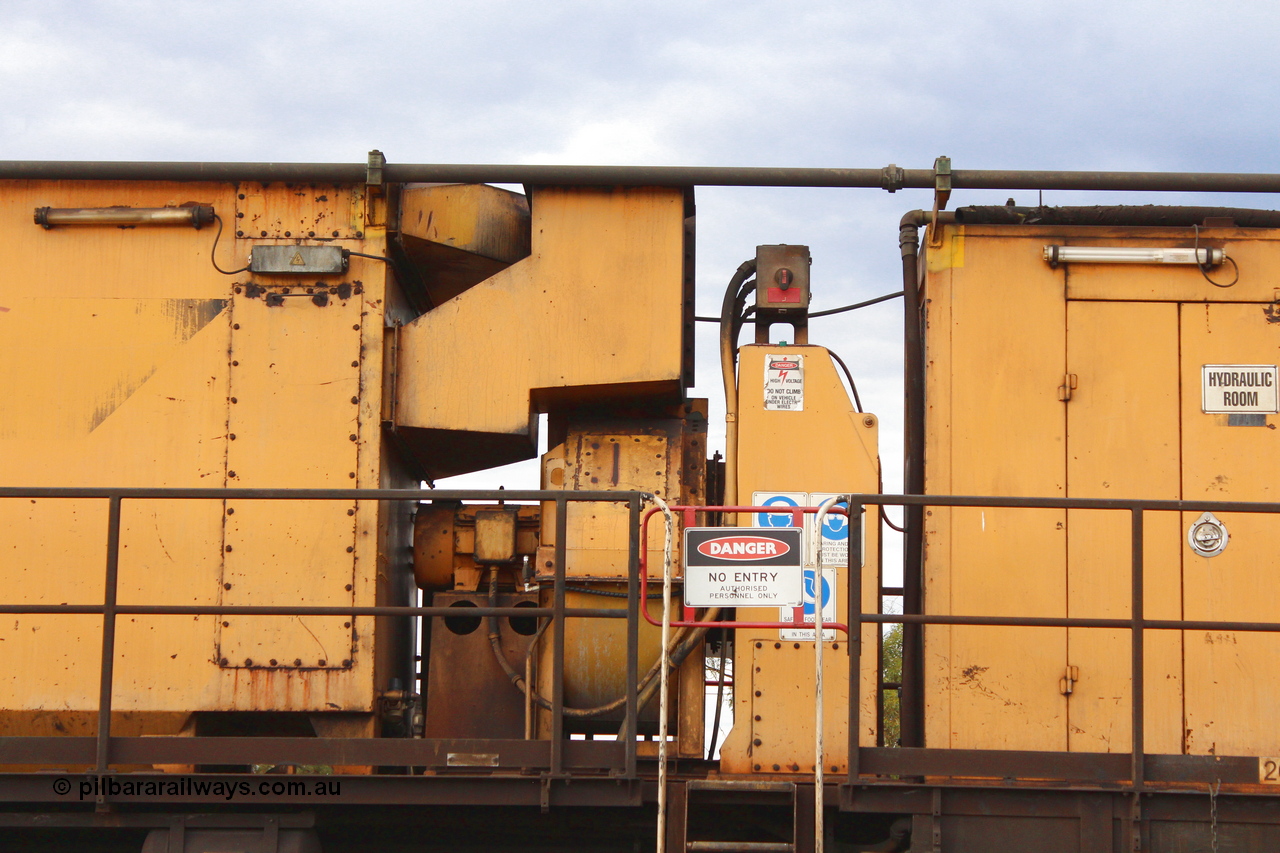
108 635
557 655
854 575
1137 636
634 592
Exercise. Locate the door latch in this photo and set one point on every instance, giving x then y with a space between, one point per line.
1069 383
1067 684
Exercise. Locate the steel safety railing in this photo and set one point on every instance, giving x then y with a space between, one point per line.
562 756
910 762
406 752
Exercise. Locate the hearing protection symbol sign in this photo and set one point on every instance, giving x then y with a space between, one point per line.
784 383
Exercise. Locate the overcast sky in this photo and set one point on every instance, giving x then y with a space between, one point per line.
1083 85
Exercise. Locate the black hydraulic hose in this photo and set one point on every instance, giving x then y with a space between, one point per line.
853 388
715 723
855 306
730 325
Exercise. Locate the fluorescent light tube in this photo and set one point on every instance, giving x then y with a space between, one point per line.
1131 255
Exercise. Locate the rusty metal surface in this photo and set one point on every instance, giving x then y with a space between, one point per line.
389 752
1146 215
468 695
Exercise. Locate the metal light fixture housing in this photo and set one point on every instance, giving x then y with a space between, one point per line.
195 215
1207 257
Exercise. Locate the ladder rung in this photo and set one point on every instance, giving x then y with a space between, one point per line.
741 786
740 847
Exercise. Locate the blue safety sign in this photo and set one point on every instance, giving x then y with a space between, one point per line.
779 499
805 632
809 596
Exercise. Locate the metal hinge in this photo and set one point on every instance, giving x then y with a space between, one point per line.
1067 684
1069 384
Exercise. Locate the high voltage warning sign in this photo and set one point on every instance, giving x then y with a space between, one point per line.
743 567
784 383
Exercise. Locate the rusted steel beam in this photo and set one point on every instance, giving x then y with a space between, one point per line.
443 790
1001 764
390 752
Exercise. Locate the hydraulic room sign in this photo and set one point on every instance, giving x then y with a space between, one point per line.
743 567
1231 388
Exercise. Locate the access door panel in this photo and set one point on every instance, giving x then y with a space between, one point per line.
997 352
1232 689
1122 442
293 424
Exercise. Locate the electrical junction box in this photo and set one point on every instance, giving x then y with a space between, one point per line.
298 260
782 278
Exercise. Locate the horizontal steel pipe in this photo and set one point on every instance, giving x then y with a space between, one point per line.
527 495
1067 622
268 610
891 178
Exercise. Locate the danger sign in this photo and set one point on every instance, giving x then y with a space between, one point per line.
742 567
784 382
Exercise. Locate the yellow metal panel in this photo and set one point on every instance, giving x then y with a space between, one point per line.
936 293
1231 688
293 357
112 390
120 367
473 218
301 211
781 723
1124 432
776 452
95 261
1004 360
597 533
1252 248
598 303
950 252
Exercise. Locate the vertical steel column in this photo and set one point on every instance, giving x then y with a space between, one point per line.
557 655
911 703
1137 636
854 620
630 726
108 635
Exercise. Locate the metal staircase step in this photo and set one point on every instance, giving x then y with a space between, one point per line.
740 847
741 786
